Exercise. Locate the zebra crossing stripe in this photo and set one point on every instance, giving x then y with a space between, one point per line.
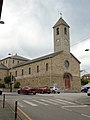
58 101
49 102
30 103
64 101
40 102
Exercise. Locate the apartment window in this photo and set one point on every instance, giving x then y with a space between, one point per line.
17 62
37 68
29 70
57 31
22 71
65 30
46 66
13 61
16 73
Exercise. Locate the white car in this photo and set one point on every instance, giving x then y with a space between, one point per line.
88 92
1 91
55 89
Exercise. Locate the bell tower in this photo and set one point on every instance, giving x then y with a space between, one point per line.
61 36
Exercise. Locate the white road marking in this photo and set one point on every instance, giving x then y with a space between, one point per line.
48 102
20 104
76 106
66 109
40 102
30 103
65 101
85 115
57 101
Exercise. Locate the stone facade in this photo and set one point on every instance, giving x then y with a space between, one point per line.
60 68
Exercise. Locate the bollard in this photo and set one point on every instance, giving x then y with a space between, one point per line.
3 100
15 110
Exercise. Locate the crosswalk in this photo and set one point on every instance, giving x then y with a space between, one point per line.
44 102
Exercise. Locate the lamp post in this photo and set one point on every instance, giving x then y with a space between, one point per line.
87 49
11 73
1 4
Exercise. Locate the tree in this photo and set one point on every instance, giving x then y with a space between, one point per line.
7 80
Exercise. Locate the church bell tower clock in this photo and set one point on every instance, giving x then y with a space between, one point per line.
61 36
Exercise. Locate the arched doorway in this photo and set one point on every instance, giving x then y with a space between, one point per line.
67 78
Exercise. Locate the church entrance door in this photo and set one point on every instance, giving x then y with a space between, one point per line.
67 81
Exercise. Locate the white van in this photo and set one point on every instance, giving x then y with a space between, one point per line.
54 89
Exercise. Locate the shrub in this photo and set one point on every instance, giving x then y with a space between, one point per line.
17 85
2 85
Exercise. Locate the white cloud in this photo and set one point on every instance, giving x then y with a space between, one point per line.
28 27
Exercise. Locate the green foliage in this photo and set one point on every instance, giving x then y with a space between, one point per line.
84 82
7 79
2 85
17 85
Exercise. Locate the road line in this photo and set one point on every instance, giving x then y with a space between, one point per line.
86 115
57 101
77 106
66 109
48 102
20 104
30 103
40 102
65 101
24 114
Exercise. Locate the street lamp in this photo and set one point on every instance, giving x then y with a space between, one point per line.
2 22
87 49
11 73
1 5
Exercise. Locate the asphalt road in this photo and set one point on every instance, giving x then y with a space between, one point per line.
50 107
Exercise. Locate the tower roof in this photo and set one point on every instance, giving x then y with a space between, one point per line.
61 22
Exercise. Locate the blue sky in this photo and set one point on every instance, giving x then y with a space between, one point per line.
28 27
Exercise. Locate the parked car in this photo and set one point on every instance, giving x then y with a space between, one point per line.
27 90
55 89
1 91
84 89
43 90
88 92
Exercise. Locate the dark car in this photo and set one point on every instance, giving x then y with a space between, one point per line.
27 90
85 89
43 90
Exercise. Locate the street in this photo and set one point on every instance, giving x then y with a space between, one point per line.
50 106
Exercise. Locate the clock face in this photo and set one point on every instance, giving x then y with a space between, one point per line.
57 42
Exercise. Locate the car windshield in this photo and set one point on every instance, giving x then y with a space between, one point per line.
26 87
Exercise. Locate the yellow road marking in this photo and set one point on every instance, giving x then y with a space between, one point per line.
24 114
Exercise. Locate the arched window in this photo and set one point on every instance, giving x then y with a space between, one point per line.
65 30
16 73
46 66
29 70
22 71
37 68
57 31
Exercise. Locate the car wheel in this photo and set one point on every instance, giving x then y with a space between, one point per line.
34 93
54 91
58 92
18 92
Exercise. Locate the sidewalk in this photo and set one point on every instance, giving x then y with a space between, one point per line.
6 113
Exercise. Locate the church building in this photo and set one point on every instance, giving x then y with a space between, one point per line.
61 67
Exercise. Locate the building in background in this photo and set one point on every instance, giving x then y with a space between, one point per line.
60 67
